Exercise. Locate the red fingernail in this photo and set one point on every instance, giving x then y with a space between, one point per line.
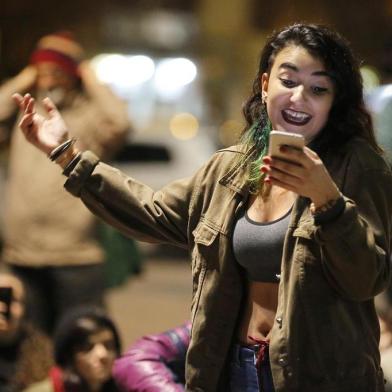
264 169
267 159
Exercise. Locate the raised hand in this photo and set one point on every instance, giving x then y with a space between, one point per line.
46 133
303 173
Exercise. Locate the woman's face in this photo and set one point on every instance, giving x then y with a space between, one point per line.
298 92
54 82
94 362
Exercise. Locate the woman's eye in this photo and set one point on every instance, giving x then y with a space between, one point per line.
287 82
319 90
85 347
110 345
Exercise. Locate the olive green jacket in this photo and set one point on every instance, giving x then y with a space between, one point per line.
326 333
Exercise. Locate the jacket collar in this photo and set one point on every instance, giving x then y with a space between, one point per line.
236 177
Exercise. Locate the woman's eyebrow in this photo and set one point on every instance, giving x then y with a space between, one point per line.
294 68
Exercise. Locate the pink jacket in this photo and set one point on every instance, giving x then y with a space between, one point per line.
154 363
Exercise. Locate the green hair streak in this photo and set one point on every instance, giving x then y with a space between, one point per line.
260 139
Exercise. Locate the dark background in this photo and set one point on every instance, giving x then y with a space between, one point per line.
366 23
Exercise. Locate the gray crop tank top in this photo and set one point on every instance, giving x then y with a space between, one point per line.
258 247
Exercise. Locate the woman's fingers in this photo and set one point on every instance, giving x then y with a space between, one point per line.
310 153
277 167
293 172
18 99
281 184
30 106
50 107
291 154
302 172
22 101
294 161
294 182
26 122
45 132
304 157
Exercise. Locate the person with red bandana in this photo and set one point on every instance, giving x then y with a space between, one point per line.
50 239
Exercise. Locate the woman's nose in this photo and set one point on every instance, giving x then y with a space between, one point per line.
100 350
298 93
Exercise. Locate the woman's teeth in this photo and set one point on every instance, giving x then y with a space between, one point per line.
295 118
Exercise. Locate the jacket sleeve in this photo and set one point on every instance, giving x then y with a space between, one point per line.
132 207
355 247
104 121
154 363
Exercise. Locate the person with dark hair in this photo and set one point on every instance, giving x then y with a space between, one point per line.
36 244
154 363
25 353
287 253
383 307
86 343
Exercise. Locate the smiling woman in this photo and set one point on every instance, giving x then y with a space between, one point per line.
299 92
287 252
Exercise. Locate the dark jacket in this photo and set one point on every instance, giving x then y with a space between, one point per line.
325 337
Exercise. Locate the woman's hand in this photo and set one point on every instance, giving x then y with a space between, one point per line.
44 133
303 173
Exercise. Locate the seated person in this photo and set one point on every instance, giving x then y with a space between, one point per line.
86 343
384 307
25 353
154 363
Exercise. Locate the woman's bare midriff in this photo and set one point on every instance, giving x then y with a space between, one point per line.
259 313
262 297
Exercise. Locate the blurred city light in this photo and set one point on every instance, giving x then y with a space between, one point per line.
172 75
123 71
169 75
168 29
155 89
370 78
184 126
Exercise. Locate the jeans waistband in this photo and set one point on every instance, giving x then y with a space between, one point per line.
250 352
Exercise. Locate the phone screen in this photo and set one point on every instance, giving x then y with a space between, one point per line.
6 298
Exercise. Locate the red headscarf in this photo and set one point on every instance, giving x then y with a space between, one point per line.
59 48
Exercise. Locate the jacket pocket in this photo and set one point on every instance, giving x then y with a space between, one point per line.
306 250
204 236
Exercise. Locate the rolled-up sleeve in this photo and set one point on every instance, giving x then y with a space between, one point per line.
356 246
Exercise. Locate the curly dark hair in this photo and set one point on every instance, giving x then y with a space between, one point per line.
348 116
33 358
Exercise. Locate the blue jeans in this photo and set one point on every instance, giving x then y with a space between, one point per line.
247 374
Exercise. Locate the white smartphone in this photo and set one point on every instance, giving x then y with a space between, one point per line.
280 138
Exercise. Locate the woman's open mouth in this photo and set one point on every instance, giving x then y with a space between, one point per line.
294 117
